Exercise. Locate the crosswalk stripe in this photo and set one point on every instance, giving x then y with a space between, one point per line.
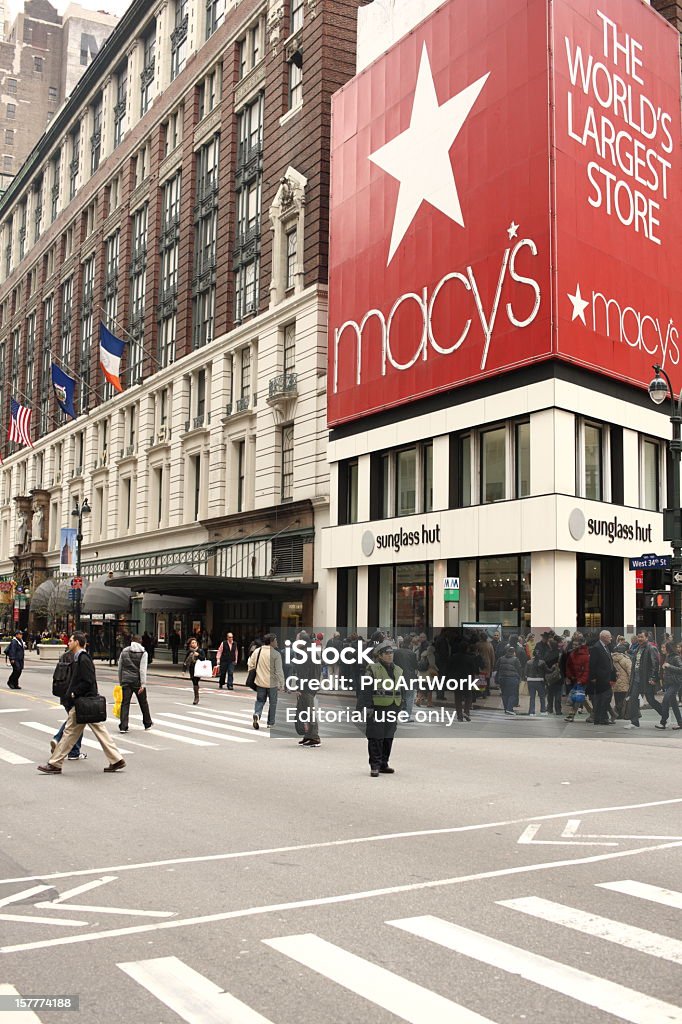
242 718
639 939
199 732
405 999
10 758
182 739
17 1016
86 742
207 719
61 922
626 1003
653 893
189 994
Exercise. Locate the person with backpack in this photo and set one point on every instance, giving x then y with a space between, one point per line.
14 653
60 677
81 683
132 678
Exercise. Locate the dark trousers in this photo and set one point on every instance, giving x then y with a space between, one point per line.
554 698
13 681
174 652
649 692
305 706
601 702
462 703
381 728
670 701
509 687
226 669
141 693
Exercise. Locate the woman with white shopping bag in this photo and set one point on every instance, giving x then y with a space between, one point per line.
197 666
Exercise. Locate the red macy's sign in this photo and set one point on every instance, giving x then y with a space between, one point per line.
497 200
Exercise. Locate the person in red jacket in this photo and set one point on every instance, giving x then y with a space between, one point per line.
578 672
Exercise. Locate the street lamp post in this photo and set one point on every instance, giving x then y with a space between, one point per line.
659 389
79 510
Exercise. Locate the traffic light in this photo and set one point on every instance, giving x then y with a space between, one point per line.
658 600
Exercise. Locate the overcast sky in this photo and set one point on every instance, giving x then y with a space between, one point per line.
111 6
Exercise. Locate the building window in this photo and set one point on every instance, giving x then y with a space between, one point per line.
195 470
493 465
67 300
291 258
593 458
401 481
650 475
289 364
87 331
522 460
246 375
295 82
401 597
348 481
179 38
147 75
249 178
296 14
496 591
11 86
96 137
427 477
169 250
7 163
241 474
209 92
141 163
121 105
75 162
52 94
250 49
205 234
30 355
54 191
287 489
138 286
215 15
45 367
38 65
11 111
406 482
173 132
115 193
9 136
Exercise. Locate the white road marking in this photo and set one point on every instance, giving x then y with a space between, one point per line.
11 711
622 1002
183 739
86 742
62 922
639 939
527 838
653 893
405 999
323 901
572 827
189 994
329 844
25 895
86 887
205 718
83 908
17 1016
10 758
199 732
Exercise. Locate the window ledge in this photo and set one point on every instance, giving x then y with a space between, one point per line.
290 114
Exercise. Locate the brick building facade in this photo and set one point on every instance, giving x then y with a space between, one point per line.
181 197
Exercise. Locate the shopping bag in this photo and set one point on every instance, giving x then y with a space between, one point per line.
118 698
203 669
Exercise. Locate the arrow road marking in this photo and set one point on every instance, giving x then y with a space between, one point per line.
527 838
189 994
24 896
87 887
572 826
63 922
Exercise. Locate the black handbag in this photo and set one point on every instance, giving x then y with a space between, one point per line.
90 710
251 677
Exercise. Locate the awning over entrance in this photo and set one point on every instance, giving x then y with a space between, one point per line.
214 588
53 597
99 600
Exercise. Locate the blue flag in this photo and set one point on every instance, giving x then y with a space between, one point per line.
64 390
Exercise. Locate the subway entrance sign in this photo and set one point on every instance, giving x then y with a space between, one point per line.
451 589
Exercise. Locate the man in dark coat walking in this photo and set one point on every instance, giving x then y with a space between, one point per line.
602 674
15 656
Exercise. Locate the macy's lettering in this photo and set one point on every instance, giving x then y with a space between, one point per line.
636 330
426 303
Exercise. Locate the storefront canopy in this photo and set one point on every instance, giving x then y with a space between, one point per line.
53 598
102 600
214 588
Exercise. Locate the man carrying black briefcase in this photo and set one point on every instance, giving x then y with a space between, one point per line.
84 707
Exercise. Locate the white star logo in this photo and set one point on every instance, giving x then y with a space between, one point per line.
579 305
513 230
419 158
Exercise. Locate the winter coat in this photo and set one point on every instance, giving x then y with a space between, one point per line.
132 665
15 654
508 668
578 665
623 667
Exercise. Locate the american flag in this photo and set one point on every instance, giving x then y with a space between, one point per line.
20 423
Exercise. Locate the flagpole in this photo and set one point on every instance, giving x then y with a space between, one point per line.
129 337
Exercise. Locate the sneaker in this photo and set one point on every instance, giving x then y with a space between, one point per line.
660 727
531 714
149 726
76 757
544 714
315 743
374 773
512 714
304 742
122 730
115 767
256 723
632 725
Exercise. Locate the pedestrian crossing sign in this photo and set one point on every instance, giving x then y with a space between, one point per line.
451 589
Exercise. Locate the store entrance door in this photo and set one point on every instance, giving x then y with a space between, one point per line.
600 592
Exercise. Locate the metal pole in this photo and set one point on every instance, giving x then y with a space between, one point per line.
675 449
79 538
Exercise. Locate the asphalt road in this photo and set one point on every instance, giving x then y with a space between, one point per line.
230 876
